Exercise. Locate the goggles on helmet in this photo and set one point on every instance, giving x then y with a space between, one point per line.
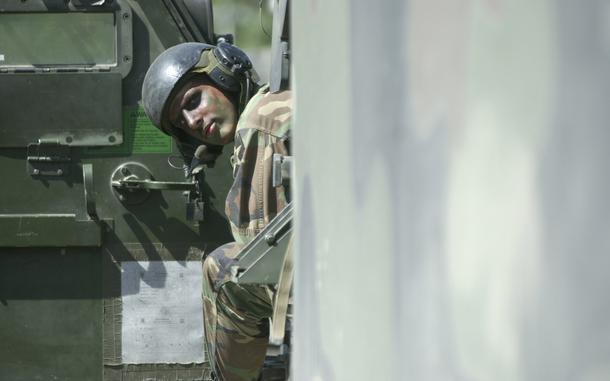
229 68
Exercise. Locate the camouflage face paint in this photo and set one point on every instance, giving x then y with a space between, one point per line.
204 112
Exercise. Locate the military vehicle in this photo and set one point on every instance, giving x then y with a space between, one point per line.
101 233
450 193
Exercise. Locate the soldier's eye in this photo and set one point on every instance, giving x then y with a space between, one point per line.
193 101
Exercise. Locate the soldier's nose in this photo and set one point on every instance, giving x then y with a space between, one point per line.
192 121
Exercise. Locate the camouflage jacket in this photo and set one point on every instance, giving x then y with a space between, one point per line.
263 129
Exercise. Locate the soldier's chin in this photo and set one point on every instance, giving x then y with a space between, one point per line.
224 137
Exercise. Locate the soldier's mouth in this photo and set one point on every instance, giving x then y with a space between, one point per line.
208 130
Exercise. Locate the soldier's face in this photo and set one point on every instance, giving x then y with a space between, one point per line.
204 112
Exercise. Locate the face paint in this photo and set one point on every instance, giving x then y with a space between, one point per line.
204 112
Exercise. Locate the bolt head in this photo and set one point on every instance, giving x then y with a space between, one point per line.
270 238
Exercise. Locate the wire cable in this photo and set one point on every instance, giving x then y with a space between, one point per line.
260 14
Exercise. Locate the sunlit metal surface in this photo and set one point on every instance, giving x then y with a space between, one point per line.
451 186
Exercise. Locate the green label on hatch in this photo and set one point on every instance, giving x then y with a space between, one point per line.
139 136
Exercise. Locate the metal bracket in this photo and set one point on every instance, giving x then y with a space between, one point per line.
88 188
55 229
282 169
194 207
48 158
261 260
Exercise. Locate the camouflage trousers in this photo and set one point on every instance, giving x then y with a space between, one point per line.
235 317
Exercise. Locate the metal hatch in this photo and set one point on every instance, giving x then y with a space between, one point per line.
82 48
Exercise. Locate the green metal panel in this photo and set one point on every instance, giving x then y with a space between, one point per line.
48 230
60 308
50 315
87 112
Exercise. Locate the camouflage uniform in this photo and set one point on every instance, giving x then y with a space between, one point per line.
236 316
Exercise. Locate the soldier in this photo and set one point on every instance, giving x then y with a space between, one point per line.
195 92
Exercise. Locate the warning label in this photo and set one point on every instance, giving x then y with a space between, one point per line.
139 136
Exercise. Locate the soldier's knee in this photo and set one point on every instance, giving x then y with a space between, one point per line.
210 267
217 265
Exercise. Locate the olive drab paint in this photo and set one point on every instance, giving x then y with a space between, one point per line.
70 123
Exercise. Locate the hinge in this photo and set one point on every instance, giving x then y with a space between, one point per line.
48 157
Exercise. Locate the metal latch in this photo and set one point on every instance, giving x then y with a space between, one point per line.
48 157
133 182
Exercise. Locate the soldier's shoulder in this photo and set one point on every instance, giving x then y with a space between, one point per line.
268 112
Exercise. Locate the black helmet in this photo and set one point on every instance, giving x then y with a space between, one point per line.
228 67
